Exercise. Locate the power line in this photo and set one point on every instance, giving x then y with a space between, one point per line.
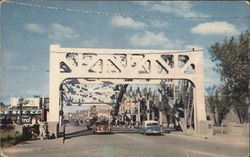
124 15
136 53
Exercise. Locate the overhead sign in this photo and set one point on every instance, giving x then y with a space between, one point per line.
30 102
26 119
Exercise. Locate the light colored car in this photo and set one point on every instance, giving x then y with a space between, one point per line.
101 127
150 127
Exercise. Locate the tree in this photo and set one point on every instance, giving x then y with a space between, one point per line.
2 104
222 102
232 63
217 103
93 112
211 101
122 89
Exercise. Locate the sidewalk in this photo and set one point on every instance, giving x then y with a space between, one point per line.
218 138
230 139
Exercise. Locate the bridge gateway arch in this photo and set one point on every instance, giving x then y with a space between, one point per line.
124 66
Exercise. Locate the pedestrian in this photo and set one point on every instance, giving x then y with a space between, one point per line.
29 132
53 136
25 132
43 131
36 128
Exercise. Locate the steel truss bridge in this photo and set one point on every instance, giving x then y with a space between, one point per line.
81 76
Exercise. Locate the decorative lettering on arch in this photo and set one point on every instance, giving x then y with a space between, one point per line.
122 63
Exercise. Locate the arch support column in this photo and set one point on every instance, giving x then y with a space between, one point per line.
54 94
199 98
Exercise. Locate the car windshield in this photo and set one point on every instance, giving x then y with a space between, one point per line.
101 123
152 124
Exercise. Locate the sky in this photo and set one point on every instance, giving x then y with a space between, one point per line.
28 27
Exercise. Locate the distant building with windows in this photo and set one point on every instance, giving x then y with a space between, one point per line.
30 103
35 107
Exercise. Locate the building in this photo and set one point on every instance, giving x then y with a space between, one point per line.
130 109
31 108
103 112
29 103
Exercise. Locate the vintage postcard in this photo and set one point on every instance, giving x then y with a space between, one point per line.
124 78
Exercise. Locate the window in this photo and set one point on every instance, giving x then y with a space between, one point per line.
152 124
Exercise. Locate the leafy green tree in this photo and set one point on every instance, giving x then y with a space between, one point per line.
122 89
2 104
211 101
217 103
223 104
93 112
232 62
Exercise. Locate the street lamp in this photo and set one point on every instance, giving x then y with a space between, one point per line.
20 114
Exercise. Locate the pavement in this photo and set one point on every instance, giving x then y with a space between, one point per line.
127 142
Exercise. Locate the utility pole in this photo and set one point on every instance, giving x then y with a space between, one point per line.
160 108
61 107
139 112
153 113
138 98
160 89
131 101
147 101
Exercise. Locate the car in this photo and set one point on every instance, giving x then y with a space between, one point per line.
90 124
66 121
101 127
150 127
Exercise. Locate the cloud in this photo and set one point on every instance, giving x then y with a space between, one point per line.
157 40
148 39
56 32
35 28
214 28
60 32
126 22
182 9
159 24
90 43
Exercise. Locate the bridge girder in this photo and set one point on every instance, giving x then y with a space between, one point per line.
124 65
